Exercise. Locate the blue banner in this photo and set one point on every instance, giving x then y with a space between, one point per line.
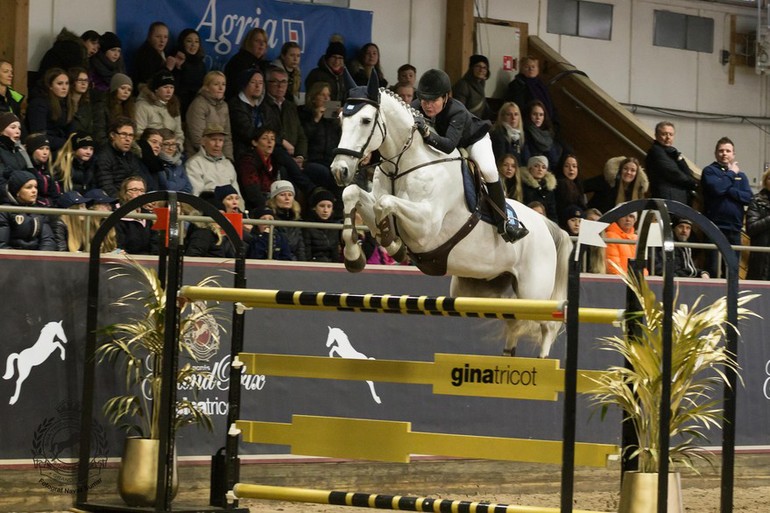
223 24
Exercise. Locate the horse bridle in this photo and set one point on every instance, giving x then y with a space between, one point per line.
359 154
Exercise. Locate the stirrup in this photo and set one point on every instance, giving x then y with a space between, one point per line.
512 233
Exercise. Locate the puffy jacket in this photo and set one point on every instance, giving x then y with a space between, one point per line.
758 228
619 253
13 157
670 176
112 167
25 231
725 196
202 111
153 113
543 191
321 245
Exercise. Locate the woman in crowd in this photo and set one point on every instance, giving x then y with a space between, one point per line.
257 171
286 208
323 135
135 236
13 156
208 107
152 166
74 166
107 62
39 151
540 138
289 62
571 218
758 228
80 99
158 106
23 230
251 55
569 186
150 58
539 184
507 133
10 100
508 167
190 72
321 245
174 171
623 180
330 69
70 231
119 103
469 90
52 113
368 59
100 201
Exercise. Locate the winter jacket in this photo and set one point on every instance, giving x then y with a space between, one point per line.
13 157
246 119
503 143
260 242
101 71
543 190
725 196
147 61
453 127
619 253
153 113
336 81
256 175
670 176
470 92
48 189
25 231
39 120
321 245
243 60
82 175
136 236
206 110
605 186
293 234
112 167
291 127
188 79
11 102
206 172
202 241
538 141
569 192
175 173
322 136
758 228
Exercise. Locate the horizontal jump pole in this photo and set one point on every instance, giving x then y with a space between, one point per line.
380 501
491 308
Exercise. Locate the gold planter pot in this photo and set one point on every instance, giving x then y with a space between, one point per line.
138 473
639 493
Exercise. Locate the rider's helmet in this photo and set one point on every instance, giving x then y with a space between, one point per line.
433 84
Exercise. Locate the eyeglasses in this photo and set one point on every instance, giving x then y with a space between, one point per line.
279 82
135 189
124 135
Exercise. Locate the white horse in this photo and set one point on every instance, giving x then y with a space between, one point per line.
340 345
423 191
48 341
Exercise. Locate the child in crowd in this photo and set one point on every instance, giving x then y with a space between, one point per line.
74 166
322 245
39 151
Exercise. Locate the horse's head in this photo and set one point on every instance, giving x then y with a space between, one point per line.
57 330
335 335
362 129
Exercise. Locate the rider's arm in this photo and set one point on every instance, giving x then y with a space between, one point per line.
449 142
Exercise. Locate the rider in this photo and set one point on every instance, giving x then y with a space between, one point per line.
448 125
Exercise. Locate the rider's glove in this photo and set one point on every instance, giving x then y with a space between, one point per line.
422 126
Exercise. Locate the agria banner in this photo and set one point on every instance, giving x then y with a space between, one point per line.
223 24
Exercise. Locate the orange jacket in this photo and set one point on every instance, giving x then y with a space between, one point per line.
619 253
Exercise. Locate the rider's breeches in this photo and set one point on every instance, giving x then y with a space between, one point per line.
481 152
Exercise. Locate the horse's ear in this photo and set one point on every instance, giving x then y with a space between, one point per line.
349 82
373 87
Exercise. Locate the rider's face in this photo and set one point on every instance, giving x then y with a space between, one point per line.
433 107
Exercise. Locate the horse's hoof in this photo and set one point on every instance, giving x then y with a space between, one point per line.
400 255
357 265
509 352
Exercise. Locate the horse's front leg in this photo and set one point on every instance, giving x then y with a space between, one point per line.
419 219
355 200
61 349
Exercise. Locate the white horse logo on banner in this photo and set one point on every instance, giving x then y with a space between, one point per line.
340 345
46 344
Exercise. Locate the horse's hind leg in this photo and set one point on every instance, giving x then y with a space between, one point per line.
23 373
549 331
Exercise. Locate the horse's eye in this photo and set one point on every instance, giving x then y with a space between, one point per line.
366 121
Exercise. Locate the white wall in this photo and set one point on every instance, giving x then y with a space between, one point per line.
628 67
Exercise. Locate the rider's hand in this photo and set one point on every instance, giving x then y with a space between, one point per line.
422 126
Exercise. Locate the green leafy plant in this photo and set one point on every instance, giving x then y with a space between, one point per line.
698 364
128 345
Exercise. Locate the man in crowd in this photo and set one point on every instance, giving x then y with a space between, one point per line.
116 162
670 176
209 168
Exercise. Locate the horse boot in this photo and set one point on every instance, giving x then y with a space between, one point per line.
510 229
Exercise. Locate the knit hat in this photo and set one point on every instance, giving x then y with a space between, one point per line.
6 118
119 79
214 129
160 79
573 211
82 140
71 198
99 196
36 141
108 41
244 77
683 220
320 194
335 48
17 180
475 59
256 214
223 191
280 186
537 158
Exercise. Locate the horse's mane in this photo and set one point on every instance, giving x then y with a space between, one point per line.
411 110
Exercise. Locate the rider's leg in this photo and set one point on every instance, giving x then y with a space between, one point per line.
510 228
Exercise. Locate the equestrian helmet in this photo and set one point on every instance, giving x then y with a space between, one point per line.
433 84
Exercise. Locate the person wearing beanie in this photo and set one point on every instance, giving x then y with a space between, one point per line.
226 198
469 90
106 63
20 230
10 100
259 243
251 55
115 103
39 151
286 208
322 245
13 156
572 216
539 184
684 264
74 166
330 69
158 107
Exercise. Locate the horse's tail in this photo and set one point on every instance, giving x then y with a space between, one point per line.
563 251
9 365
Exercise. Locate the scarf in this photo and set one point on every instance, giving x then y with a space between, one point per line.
541 139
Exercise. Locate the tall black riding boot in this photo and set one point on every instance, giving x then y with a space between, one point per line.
510 229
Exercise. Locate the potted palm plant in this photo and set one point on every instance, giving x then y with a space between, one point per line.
698 363
135 347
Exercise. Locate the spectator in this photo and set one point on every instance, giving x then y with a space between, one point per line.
292 137
190 71
469 90
209 167
368 59
52 112
595 260
39 151
70 231
670 176
10 100
618 253
289 62
13 156
286 208
174 171
508 167
74 166
100 201
107 62
331 68
684 265
20 230
90 40
569 186
572 216
150 163
539 184
248 112
507 132
158 106
405 92
322 245
115 162
80 99
257 171
407 74
537 206
323 135
208 239
68 51
251 55
527 87
758 228
118 103
135 236
726 193
208 107
259 245
540 138
623 179
150 58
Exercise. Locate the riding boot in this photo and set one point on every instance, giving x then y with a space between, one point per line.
511 229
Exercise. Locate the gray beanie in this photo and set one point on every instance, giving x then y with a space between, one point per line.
538 158
119 79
